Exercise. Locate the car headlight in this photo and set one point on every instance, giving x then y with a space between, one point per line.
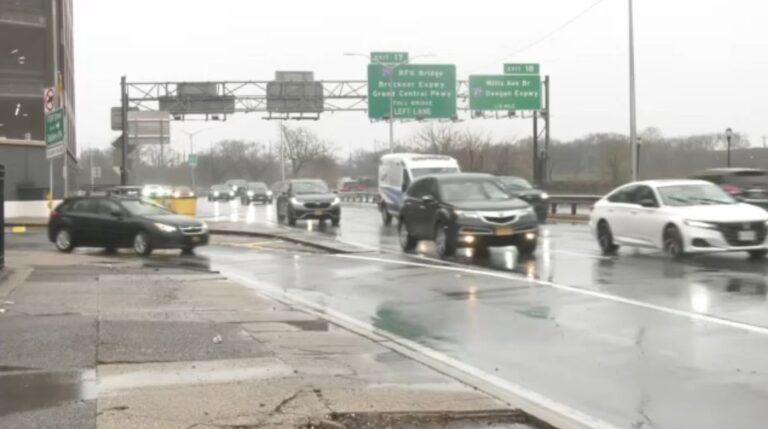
269 193
336 201
165 228
544 196
215 193
295 201
250 193
146 192
700 224
231 193
204 226
467 214
177 195
191 194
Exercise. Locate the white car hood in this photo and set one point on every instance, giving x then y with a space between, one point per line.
722 213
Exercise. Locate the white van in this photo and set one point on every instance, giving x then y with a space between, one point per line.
398 170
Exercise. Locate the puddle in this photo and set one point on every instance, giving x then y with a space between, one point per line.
36 390
502 419
309 325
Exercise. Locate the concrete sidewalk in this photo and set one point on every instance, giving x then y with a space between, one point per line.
114 342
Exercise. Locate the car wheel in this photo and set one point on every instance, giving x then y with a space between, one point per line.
605 238
336 221
407 241
64 241
527 247
189 250
673 243
758 254
444 244
141 244
291 219
386 217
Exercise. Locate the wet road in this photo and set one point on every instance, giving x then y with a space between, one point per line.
635 340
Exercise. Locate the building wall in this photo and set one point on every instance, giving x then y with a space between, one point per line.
26 27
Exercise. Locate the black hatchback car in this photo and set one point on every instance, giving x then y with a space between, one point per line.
521 188
256 192
115 223
466 210
307 199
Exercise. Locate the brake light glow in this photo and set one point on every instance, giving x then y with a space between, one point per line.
731 189
54 214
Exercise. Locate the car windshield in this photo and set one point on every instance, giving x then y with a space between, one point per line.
144 208
472 190
314 187
419 172
257 186
694 195
516 183
220 188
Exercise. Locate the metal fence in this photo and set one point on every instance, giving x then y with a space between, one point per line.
576 203
2 216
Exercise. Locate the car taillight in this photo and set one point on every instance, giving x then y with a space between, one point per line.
732 189
54 214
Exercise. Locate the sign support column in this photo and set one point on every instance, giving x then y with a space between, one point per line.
548 118
124 139
536 162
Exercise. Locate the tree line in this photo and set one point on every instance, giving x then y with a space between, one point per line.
593 163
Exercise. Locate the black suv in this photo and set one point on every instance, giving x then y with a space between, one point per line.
520 188
221 192
467 210
749 185
114 223
256 191
307 199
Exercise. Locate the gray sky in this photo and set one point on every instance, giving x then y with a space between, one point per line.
702 65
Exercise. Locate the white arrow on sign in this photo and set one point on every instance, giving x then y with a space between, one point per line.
48 99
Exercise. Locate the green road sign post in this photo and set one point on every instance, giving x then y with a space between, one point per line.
531 69
504 92
389 58
54 133
192 160
417 91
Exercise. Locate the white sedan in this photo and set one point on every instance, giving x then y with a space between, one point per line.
679 217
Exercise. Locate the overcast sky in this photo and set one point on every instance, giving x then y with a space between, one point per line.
702 65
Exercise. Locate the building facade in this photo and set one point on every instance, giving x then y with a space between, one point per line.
36 52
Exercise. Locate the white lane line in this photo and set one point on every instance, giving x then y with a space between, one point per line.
660 308
581 255
540 406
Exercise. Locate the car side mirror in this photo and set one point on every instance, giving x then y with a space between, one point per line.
648 203
428 199
117 213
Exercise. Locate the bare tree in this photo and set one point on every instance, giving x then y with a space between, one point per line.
302 146
472 150
437 139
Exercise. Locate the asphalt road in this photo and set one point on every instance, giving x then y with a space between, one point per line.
636 340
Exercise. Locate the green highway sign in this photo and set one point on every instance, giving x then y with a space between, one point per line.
521 69
504 92
54 127
389 57
192 160
418 91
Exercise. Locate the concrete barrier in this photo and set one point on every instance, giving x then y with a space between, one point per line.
28 209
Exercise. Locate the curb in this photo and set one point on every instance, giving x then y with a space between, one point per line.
294 240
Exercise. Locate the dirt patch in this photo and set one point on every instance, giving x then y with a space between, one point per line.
501 419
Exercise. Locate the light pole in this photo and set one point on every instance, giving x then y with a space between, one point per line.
392 68
632 109
192 151
728 135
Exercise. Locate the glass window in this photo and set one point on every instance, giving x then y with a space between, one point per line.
694 195
309 187
84 206
623 195
472 190
106 207
420 188
644 193
144 208
516 183
419 172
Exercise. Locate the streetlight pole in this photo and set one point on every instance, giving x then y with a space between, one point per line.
391 68
632 108
728 135
192 152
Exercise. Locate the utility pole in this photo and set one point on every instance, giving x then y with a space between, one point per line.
124 139
536 148
632 111
282 154
55 41
192 152
548 118
391 112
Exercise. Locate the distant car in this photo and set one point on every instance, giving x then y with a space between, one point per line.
183 192
465 210
679 217
349 185
256 192
115 223
221 193
124 191
749 185
301 199
156 191
521 188
237 185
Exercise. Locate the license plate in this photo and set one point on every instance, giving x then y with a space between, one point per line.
318 212
196 239
747 235
504 230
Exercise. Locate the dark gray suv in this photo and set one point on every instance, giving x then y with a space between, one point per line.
301 199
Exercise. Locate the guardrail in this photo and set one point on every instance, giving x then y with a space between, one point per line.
555 201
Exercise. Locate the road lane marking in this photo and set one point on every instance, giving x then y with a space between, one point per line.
538 405
595 294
